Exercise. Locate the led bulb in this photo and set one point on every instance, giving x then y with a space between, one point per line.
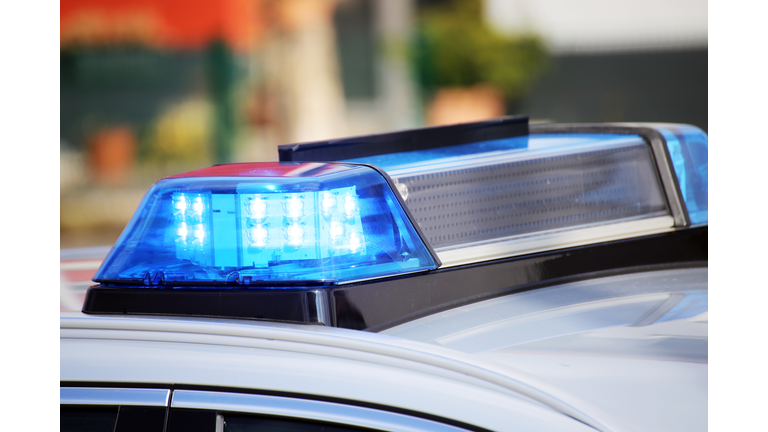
182 231
294 234
257 208
336 231
350 206
328 202
355 242
197 205
258 236
180 203
294 207
199 233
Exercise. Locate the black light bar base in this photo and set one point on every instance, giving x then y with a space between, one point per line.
291 305
378 305
387 303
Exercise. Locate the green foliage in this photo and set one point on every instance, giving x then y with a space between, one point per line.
454 48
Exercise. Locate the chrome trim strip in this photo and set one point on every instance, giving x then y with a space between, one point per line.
551 240
307 409
322 306
669 180
113 396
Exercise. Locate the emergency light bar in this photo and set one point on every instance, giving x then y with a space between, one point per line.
493 190
559 186
267 224
465 206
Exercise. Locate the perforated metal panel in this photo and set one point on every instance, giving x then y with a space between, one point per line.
514 197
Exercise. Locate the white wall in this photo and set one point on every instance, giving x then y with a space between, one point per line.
604 25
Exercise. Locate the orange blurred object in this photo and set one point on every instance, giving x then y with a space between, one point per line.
175 24
462 105
112 154
294 15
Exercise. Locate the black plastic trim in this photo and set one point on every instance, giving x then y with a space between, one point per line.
277 284
379 305
140 418
405 140
128 418
191 420
94 417
286 305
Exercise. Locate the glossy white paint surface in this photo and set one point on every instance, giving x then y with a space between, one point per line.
318 361
635 345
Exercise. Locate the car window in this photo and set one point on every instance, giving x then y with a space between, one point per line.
193 410
241 423
95 409
87 419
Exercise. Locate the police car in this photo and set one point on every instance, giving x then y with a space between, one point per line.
490 276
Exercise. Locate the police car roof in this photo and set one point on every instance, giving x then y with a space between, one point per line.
318 363
356 245
646 322
585 258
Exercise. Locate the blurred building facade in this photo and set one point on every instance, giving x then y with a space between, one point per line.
147 88
630 61
150 88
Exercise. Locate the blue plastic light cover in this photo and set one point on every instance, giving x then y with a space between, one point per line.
689 150
267 223
460 155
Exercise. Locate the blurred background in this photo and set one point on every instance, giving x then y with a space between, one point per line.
151 88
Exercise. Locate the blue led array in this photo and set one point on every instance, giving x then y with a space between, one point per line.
285 224
341 223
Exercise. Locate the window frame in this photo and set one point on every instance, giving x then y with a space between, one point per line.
142 409
114 396
307 410
222 402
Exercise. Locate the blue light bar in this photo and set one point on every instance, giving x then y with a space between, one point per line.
689 150
267 224
507 189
